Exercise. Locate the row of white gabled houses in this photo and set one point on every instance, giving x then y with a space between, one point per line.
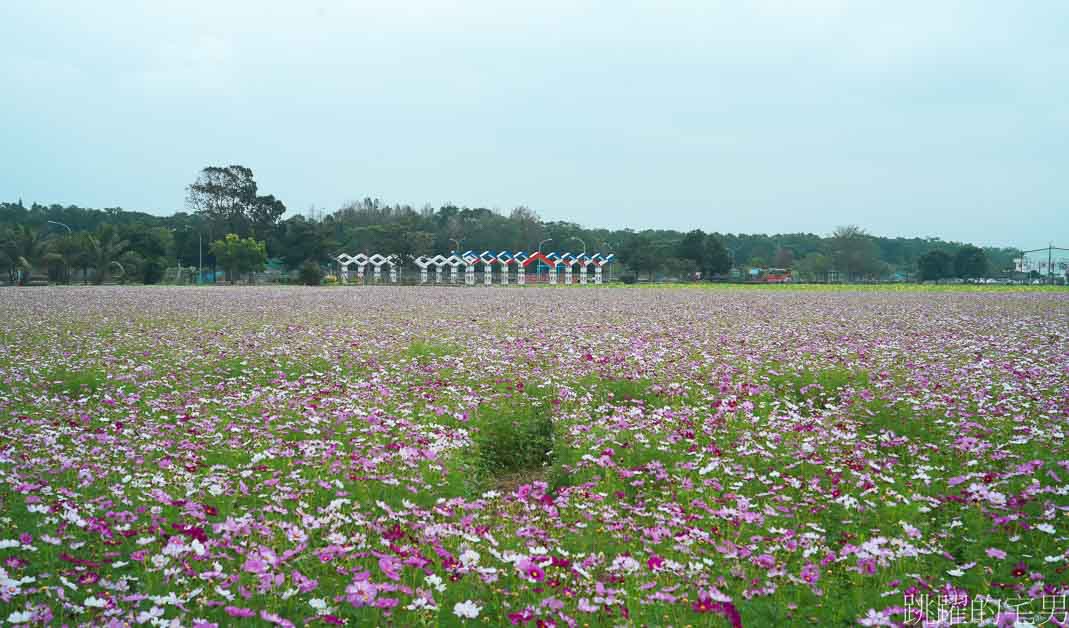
581 268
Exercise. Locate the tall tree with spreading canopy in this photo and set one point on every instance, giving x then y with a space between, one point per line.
855 252
227 198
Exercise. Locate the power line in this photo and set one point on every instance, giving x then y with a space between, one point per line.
1050 248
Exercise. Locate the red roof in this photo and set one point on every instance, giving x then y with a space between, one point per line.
539 257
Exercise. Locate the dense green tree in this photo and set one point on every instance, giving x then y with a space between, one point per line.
693 247
239 255
855 253
935 265
813 267
640 254
300 240
717 259
971 262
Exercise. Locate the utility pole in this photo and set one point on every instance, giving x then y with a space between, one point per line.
1050 248
1050 259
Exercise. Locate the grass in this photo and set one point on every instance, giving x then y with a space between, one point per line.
75 382
425 350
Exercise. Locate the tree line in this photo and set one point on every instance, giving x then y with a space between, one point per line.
66 242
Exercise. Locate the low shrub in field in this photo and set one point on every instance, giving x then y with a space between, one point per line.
311 274
424 350
76 382
513 438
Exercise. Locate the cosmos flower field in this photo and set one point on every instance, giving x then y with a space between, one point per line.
533 457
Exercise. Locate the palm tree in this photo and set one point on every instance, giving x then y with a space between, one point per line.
104 247
23 247
65 252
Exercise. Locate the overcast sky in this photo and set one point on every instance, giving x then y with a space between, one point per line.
907 117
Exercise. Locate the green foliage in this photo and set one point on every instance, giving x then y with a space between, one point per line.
813 267
513 437
74 383
311 274
640 253
971 262
238 255
935 265
813 388
856 253
706 251
425 350
226 197
152 271
226 200
133 266
299 240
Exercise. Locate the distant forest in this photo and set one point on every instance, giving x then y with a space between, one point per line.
62 240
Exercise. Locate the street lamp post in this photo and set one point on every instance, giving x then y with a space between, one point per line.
455 250
66 265
609 248
580 242
56 222
540 250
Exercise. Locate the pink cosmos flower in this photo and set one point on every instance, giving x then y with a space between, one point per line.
585 606
531 570
996 553
390 567
521 617
278 620
713 601
361 593
237 611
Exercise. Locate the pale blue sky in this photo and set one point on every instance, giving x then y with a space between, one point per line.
905 117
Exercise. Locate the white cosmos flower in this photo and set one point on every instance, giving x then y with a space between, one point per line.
469 558
467 609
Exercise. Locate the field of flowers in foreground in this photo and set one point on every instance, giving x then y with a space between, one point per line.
542 457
